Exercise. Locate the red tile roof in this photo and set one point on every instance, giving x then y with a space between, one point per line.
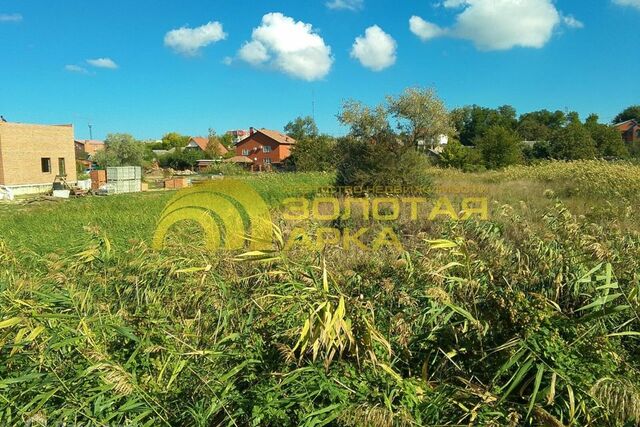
203 142
277 136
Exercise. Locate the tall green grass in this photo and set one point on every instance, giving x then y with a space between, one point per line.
518 320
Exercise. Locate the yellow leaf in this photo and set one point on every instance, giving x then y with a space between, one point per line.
10 322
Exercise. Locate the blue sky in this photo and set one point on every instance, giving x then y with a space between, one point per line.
58 59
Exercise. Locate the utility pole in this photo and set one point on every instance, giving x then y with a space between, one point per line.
90 131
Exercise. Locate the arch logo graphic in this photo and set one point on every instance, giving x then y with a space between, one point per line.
230 213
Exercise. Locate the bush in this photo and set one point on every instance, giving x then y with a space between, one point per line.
228 169
456 155
573 142
384 162
180 159
316 153
121 150
499 147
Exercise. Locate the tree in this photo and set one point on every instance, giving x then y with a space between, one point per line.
471 122
180 159
174 140
456 155
214 146
421 115
364 122
314 153
539 125
121 149
607 139
301 128
572 142
629 113
499 147
228 141
382 163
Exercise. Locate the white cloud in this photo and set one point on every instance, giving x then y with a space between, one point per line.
13 17
102 63
572 22
376 50
291 47
454 3
76 69
423 29
189 41
632 3
500 24
345 4
254 52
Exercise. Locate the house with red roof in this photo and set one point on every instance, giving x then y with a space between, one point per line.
200 143
630 130
266 149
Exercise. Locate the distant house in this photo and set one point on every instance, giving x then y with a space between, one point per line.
630 130
434 143
265 148
32 156
89 146
200 143
204 164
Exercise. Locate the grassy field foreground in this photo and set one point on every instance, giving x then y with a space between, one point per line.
529 318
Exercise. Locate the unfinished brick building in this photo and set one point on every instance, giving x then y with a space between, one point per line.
31 156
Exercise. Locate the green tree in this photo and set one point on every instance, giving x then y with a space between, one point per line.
301 128
499 147
421 115
629 113
572 142
174 140
607 139
471 122
539 125
314 153
180 159
456 155
121 149
364 122
384 162
214 149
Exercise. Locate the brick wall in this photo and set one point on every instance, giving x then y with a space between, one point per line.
23 146
254 144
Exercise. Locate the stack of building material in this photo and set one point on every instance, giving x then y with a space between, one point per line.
124 179
98 179
84 184
176 183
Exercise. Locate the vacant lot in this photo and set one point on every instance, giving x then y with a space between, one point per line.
532 316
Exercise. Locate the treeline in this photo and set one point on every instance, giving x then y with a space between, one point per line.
122 149
495 138
382 139
478 137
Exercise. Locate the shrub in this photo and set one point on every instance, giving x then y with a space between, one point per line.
228 169
573 142
384 162
499 147
180 159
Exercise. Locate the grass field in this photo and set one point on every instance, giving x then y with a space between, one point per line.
529 318
49 226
